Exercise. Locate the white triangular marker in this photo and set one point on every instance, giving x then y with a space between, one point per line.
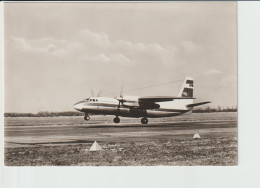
95 147
196 135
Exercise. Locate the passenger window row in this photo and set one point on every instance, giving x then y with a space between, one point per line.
96 100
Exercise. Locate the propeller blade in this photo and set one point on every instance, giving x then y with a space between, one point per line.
92 93
120 98
121 91
114 95
99 92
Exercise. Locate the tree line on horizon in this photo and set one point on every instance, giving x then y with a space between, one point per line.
75 113
44 114
208 109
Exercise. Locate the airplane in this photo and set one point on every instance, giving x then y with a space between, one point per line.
141 107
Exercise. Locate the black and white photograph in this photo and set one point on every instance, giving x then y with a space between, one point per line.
121 83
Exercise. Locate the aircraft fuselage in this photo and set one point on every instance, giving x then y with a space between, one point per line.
145 107
111 107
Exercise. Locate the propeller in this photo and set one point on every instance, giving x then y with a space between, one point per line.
99 92
120 98
121 91
93 93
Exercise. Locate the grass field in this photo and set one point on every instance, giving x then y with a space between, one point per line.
213 151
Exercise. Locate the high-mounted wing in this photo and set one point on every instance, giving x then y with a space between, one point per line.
160 98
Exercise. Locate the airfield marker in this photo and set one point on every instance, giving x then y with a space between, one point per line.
196 135
95 147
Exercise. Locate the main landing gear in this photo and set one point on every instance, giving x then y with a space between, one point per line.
116 119
144 120
86 117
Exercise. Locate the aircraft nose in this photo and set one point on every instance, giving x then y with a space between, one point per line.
77 106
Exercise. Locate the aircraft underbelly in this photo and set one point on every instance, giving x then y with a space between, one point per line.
131 112
158 113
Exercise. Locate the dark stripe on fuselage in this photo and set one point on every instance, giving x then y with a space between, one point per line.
115 105
170 110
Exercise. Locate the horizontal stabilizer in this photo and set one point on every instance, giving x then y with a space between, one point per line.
197 104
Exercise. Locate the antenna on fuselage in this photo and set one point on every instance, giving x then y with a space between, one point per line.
149 86
154 85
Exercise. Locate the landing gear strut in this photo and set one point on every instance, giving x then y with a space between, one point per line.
116 119
144 120
86 117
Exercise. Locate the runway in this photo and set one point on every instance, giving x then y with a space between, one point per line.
69 134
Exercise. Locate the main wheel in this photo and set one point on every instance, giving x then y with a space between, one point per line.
86 117
116 120
144 120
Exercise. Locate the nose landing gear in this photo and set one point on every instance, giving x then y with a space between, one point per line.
116 119
86 117
144 120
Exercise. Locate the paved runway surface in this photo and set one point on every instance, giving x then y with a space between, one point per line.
23 136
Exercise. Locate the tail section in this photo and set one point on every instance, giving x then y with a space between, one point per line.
187 88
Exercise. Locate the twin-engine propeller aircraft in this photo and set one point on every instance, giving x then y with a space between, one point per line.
144 107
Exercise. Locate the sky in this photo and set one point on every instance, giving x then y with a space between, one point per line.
56 53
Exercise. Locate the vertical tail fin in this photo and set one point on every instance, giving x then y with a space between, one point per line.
187 88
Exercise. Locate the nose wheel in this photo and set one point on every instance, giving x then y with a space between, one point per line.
86 117
144 120
116 120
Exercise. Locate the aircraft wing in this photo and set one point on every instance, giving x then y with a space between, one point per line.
197 104
160 98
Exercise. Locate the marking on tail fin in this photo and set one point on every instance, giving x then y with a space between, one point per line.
187 88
